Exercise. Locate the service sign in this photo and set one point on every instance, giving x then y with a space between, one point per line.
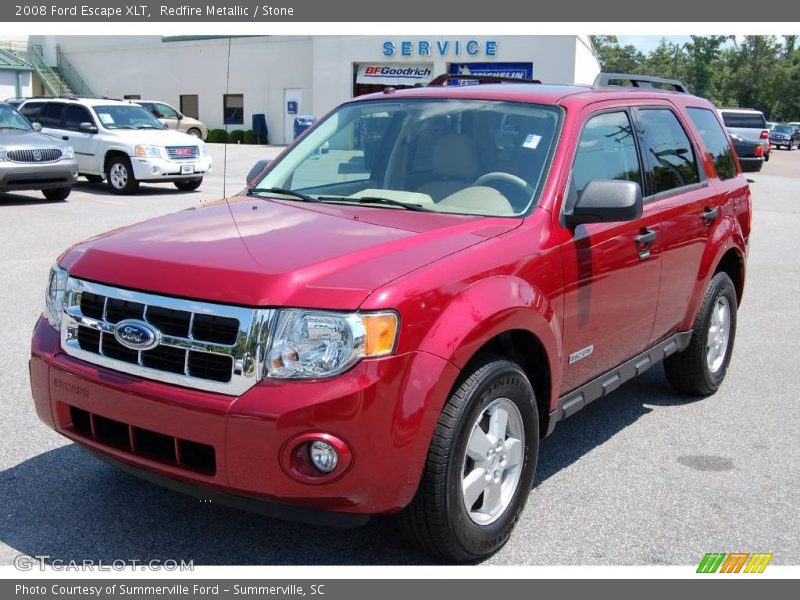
395 74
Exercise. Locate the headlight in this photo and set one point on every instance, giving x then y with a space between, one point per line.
201 149
56 296
148 151
3 154
68 152
311 344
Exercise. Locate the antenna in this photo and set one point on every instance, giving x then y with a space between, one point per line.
224 117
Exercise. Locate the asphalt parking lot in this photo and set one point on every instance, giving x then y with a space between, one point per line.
641 477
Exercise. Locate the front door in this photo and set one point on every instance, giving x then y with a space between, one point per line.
611 270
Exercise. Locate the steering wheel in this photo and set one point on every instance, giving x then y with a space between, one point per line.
507 178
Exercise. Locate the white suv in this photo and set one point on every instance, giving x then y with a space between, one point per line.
121 142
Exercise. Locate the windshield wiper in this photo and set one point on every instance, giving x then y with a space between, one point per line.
14 128
148 127
375 200
282 191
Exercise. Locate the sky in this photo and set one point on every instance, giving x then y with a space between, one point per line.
646 43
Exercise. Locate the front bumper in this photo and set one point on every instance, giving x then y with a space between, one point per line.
384 409
160 169
32 176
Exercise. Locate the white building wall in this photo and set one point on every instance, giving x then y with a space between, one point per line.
261 68
8 83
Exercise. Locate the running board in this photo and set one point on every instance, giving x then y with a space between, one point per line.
606 383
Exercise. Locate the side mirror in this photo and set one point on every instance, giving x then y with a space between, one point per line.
87 127
606 201
36 126
256 170
180 115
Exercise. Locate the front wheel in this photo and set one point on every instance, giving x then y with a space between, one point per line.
57 194
700 369
188 185
195 133
480 466
94 178
120 176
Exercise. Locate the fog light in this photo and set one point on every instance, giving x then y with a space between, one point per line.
324 456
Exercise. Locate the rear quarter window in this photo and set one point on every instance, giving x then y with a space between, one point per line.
715 141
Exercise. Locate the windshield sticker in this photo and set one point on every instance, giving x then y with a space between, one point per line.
106 118
532 141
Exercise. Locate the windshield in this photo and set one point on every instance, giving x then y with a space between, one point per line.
126 117
11 119
457 156
784 128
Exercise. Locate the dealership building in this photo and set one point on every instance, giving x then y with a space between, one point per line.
280 77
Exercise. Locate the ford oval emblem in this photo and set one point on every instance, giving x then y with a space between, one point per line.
137 335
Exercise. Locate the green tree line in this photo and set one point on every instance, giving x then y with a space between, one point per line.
757 71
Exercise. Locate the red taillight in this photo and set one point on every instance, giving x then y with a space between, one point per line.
759 150
765 135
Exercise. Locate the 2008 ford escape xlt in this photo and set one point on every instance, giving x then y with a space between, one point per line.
392 325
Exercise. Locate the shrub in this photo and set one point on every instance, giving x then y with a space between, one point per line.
250 137
217 136
236 136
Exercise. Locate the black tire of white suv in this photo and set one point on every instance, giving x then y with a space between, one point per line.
438 519
188 185
119 175
700 369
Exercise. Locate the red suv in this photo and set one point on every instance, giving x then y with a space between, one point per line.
350 338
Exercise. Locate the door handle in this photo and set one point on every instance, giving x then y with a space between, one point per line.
648 236
709 214
64 137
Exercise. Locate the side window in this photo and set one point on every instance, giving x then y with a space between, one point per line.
74 115
715 140
669 154
148 106
32 111
606 150
51 115
166 111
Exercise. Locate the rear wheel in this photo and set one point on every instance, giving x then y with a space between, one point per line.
120 175
700 369
188 185
57 194
480 466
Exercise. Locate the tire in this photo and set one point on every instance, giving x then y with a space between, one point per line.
94 178
57 194
437 519
692 371
119 175
194 132
188 185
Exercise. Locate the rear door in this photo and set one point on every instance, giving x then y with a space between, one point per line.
611 275
687 202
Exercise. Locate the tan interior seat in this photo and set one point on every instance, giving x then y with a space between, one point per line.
455 164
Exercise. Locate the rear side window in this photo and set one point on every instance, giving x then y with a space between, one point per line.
606 150
51 115
754 120
670 157
715 141
74 115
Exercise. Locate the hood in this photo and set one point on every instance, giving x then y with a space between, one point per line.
156 137
28 139
257 252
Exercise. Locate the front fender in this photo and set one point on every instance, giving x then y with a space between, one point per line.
488 308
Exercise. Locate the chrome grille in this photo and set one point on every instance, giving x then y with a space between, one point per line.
205 346
182 152
34 155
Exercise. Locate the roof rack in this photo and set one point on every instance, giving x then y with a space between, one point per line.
613 80
448 77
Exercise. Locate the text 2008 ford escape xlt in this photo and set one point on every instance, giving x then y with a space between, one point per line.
392 325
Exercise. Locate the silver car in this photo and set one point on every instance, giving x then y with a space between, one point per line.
748 124
30 160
